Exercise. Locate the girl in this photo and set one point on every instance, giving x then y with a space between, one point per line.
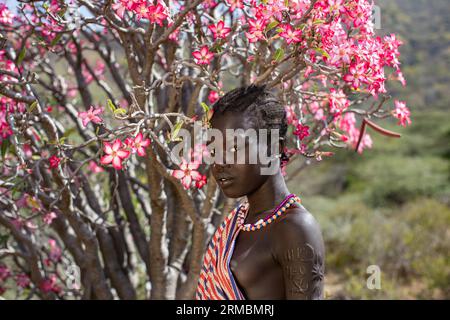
269 246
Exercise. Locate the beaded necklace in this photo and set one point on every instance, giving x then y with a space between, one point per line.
261 223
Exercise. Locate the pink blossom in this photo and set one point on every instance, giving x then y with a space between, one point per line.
49 217
338 101
54 161
22 280
4 273
213 96
91 115
302 131
209 4
5 130
290 35
49 285
256 30
99 69
6 17
55 251
219 31
138 144
291 117
203 56
94 167
187 173
201 182
114 154
402 113
235 4
157 14
356 74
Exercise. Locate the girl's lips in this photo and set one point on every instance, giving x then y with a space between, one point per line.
225 182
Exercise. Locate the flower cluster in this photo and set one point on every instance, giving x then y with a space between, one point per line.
118 151
155 13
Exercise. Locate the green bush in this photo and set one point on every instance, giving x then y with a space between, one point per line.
393 180
410 244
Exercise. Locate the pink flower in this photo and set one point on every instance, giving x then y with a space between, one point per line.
402 113
5 130
291 35
55 251
213 96
235 4
187 173
49 285
49 217
338 101
219 31
99 70
138 144
90 115
301 131
157 14
141 11
256 30
4 273
204 56
94 167
356 74
291 117
22 280
114 154
54 161
200 183
6 17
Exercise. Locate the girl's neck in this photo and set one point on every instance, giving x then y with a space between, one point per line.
267 197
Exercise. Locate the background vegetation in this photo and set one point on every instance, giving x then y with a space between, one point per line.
390 206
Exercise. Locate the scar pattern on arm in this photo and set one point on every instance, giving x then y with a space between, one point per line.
304 272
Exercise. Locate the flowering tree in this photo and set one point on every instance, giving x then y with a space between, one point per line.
93 95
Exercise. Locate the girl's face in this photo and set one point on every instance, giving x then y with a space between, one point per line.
235 179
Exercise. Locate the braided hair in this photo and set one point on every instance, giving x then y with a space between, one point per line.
260 106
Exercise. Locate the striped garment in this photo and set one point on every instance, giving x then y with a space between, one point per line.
216 280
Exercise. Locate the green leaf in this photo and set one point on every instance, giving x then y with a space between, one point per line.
4 239
120 111
271 25
5 147
32 106
21 55
279 54
56 39
322 52
62 12
176 130
205 107
66 134
111 105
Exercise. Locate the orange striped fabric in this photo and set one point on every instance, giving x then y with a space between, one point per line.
216 280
